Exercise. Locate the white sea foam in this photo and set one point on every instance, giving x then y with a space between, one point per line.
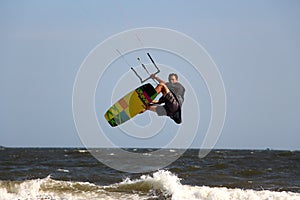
83 151
170 185
42 189
63 170
161 184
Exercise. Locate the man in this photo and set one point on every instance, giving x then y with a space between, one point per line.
172 97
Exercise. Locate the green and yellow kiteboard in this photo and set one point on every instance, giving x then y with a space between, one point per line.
130 105
134 102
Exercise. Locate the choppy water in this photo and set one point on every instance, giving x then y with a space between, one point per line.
224 174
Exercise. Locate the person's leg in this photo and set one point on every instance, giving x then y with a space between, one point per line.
162 88
151 108
160 110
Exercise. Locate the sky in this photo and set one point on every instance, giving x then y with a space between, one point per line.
254 44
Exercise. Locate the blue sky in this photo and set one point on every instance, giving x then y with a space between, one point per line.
255 45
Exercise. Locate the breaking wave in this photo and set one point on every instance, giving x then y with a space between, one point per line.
159 185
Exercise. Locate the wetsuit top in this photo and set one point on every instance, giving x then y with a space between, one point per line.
178 90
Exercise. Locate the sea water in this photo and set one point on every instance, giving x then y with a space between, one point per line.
223 174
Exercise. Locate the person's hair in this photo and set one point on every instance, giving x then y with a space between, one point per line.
173 74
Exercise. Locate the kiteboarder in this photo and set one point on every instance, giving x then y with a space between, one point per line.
172 97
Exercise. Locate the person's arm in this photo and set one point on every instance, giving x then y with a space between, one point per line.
153 76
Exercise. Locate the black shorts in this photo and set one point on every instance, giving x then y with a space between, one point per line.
170 107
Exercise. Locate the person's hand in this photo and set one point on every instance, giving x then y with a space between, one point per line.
153 76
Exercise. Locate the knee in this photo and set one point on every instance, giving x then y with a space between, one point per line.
162 85
164 88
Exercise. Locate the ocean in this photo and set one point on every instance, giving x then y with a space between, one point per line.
71 173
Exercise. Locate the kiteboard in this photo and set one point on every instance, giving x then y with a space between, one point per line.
134 102
130 105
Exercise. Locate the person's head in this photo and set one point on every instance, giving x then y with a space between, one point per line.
173 78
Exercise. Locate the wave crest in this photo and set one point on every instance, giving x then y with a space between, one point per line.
160 185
